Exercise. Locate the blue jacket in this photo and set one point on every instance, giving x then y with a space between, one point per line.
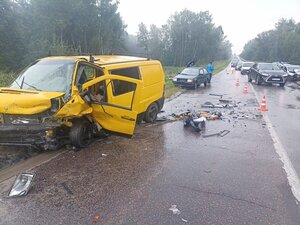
210 68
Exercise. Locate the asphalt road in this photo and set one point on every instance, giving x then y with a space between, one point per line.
168 174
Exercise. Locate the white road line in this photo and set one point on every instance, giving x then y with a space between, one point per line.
292 175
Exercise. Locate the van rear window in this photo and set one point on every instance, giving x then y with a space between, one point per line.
132 72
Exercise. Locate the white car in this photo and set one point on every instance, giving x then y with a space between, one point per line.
246 67
293 71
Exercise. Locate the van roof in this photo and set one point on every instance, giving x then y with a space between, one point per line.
101 59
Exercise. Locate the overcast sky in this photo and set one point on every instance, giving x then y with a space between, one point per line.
241 20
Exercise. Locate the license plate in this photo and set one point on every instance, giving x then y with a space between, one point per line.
275 78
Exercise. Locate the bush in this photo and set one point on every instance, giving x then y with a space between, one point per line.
6 78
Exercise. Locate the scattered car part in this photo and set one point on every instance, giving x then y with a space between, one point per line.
67 189
21 185
221 96
174 209
219 134
192 120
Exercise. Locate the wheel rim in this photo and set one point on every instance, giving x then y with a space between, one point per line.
153 112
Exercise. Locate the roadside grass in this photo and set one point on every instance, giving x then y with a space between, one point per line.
6 78
171 72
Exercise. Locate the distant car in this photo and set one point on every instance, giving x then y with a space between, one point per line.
267 73
191 77
246 67
239 65
234 62
292 71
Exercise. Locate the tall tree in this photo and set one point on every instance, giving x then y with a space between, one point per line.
279 44
10 39
187 36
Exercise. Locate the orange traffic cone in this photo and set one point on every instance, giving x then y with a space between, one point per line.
237 83
245 91
263 105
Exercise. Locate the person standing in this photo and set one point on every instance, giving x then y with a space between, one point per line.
210 69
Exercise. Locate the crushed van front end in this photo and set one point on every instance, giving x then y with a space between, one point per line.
33 130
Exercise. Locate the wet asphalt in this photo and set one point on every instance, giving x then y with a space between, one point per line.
284 112
168 174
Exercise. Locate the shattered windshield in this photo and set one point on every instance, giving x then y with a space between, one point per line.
46 75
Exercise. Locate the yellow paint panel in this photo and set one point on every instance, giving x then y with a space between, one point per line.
17 101
76 107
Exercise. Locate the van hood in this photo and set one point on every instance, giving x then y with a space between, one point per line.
19 101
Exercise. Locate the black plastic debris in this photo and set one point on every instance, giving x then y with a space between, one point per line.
67 189
219 134
192 120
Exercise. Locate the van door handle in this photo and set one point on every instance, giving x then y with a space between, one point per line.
127 118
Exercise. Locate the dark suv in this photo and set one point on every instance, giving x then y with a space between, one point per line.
192 77
267 73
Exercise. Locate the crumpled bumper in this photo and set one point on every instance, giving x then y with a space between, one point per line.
39 135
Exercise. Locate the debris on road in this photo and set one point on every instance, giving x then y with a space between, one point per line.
21 185
219 134
96 219
191 119
67 189
184 220
174 210
219 95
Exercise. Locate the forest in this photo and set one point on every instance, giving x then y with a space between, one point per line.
32 29
281 44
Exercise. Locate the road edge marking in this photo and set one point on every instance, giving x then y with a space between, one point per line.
288 167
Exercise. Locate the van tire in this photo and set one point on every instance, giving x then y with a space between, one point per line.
151 113
81 134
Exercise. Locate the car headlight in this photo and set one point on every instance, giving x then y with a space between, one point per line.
265 74
175 79
21 185
284 75
189 80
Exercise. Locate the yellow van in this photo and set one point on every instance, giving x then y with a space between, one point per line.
71 99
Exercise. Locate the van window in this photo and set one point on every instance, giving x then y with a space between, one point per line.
86 73
132 72
121 87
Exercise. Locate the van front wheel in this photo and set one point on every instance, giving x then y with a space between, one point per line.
81 134
151 113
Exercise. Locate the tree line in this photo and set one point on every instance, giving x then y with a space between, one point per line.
31 29
280 44
186 36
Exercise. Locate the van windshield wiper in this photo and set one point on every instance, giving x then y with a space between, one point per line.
29 85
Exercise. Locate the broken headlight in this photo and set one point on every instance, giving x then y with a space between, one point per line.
21 185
